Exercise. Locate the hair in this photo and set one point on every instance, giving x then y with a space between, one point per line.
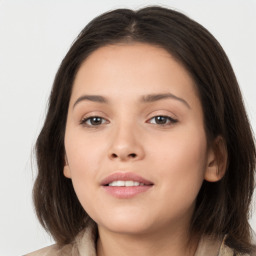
222 207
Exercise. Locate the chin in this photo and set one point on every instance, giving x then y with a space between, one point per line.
125 224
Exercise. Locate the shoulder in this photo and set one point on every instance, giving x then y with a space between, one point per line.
216 247
84 244
55 250
47 251
225 250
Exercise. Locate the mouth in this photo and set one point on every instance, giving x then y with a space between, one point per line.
125 185
125 179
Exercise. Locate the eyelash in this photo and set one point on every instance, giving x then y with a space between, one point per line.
166 121
92 119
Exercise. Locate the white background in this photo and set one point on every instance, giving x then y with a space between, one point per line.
34 37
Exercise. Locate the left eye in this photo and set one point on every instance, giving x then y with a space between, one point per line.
93 121
162 120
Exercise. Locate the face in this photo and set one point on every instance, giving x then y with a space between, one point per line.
135 142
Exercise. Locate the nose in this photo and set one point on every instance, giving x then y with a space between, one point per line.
126 145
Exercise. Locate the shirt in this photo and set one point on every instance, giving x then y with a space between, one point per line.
84 245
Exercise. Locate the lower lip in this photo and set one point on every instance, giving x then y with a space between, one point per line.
126 192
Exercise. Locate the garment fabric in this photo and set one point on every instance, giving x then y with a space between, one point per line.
84 245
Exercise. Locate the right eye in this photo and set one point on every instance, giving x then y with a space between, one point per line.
93 121
162 120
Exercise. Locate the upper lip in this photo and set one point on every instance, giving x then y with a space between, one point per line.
125 176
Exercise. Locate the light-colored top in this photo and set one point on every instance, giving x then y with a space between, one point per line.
84 245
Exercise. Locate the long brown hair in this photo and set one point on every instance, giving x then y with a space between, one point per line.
222 207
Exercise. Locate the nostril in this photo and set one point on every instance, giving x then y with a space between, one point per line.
114 155
123 156
133 155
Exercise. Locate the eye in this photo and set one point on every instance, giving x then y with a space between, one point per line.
162 120
93 121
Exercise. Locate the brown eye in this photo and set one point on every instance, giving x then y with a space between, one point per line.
162 120
93 121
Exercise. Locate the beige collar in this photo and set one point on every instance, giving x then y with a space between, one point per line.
84 245
85 242
207 246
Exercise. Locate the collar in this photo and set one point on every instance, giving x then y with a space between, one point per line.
86 245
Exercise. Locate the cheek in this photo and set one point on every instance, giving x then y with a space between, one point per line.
182 159
84 163
185 149
83 168
82 152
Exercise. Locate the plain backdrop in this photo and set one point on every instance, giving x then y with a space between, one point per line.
34 37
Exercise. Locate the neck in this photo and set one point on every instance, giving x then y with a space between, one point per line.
162 244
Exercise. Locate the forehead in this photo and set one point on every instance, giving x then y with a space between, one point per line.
122 55
135 68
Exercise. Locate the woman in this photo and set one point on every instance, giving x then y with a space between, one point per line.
146 148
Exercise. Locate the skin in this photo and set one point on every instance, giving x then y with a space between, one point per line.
173 155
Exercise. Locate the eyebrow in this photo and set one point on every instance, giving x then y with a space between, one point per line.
156 97
93 98
146 98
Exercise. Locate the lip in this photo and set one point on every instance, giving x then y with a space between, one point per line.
125 192
125 176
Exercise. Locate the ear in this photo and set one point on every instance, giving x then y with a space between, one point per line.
66 169
216 160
